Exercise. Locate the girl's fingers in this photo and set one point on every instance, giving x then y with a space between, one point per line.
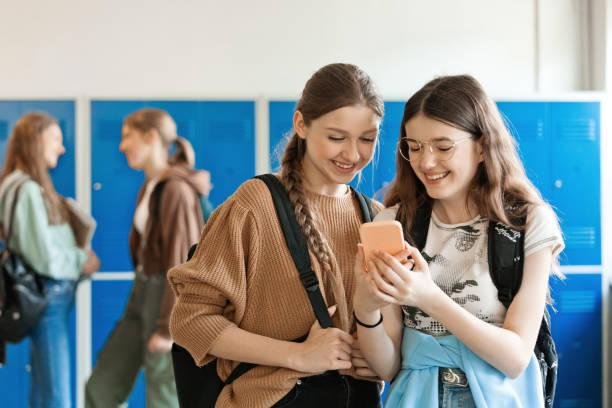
402 256
365 372
383 297
359 362
420 264
382 284
392 265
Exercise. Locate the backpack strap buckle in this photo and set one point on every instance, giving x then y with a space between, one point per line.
310 281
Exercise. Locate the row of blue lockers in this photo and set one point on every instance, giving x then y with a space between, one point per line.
559 143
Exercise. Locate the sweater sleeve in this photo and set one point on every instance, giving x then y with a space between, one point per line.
211 289
179 205
50 249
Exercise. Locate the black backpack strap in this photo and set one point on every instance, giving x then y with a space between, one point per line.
420 226
296 242
365 204
506 247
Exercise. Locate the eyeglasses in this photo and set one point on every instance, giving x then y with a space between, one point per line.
442 149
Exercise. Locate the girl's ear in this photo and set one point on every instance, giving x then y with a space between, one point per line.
299 125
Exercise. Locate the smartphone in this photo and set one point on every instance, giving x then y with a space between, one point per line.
386 236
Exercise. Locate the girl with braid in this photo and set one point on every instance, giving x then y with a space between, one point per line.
240 298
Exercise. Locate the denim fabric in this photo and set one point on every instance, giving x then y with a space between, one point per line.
332 390
455 396
50 358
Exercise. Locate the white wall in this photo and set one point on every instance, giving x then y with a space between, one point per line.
270 47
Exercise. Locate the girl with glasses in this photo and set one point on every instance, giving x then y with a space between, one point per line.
456 158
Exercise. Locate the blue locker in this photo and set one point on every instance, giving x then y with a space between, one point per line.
575 130
559 143
577 330
526 121
15 375
280 117
223 136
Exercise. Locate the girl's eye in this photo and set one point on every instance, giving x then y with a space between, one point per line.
444 147
368 139
336 138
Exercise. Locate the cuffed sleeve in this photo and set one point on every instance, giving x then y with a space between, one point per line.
211 288
543 231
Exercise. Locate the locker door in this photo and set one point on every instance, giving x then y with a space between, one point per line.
577 330
15 375
527 122
576 178
281 122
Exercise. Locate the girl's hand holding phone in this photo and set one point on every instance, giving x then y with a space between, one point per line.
367 299
404 285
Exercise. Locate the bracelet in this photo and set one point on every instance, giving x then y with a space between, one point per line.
369 326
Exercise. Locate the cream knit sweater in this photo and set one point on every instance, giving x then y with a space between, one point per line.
243 275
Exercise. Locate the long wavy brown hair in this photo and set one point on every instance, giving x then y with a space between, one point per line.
332 87
147 119
500 190
25 151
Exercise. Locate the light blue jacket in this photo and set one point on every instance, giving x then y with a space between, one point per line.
50 249
416 385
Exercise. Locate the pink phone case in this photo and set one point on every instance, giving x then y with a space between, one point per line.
386 236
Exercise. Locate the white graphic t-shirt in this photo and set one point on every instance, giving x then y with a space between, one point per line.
457 255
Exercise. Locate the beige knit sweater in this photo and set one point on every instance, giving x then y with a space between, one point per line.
243 275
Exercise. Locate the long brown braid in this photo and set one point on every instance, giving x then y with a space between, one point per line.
331 87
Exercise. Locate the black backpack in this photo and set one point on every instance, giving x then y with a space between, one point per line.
22 296
200 386
506 248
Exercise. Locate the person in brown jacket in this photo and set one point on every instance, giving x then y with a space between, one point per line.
167 220
240 298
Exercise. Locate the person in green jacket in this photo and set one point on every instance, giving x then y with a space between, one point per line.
42 235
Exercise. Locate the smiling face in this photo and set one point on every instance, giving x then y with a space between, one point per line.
450 179
53 145
136 146
338 145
